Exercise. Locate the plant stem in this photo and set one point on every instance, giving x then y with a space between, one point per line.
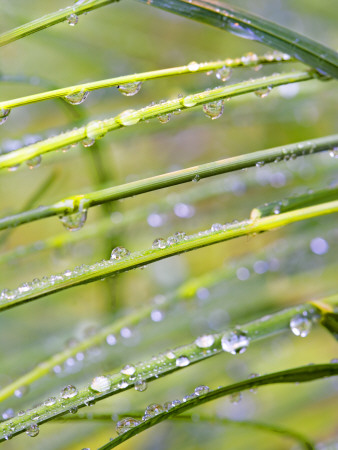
133 78
248 26
71 204
50 19
131 117
296 375
165 364
88 274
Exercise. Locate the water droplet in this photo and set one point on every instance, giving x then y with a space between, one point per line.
32 430
216 227
156 315
235 341
140 385
224 73
182 361
88 142
201 390
241 31
253 390
193 66
76 98
214 110
260 164
159 243
300 325
21 391
122 384
13 168
235 398
119 252
196 178
75 221
69 391
249 58
205 341
50 401
111 339
130 89
100 384
128 117
96 129
129 369
4 113
34 162
126 424
262 93
189 101
277 209
152 410
164 118
72 19
188 397
333 152
169 405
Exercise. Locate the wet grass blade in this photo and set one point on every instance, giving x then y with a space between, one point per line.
249 26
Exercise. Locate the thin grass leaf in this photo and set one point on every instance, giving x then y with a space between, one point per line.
81 203
164 364
248 26
97 129
87 274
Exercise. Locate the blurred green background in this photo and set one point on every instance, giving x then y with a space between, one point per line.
128 37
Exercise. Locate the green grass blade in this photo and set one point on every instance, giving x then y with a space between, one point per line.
50 19
249 26
102 269
77 203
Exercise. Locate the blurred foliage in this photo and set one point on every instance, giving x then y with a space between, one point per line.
128 37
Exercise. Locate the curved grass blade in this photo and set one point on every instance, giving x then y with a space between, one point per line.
97 129
202 418
246 25
297 375
165 364
51 19
87 274
81 202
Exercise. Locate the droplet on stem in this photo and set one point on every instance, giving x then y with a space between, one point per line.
235 341
214 110
4 113
130 89
72 19
76 98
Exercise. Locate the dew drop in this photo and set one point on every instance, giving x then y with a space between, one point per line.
196 178
241 31
72 19
122 384
4 113
96 129
235 341
159 243
235 398
169 405
300 325
182 361
129 369
32 430
193 66
88 142
69 391
75 221
188 397
119 253
130 89
333 152
34 162
152 410
189 101
262 93
156 315
21 391
128 117
111 339
201 390
224 73
216 227
249 58
100 384
140 385
214 110
126 424
205 341
77 98
50 401
164 118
